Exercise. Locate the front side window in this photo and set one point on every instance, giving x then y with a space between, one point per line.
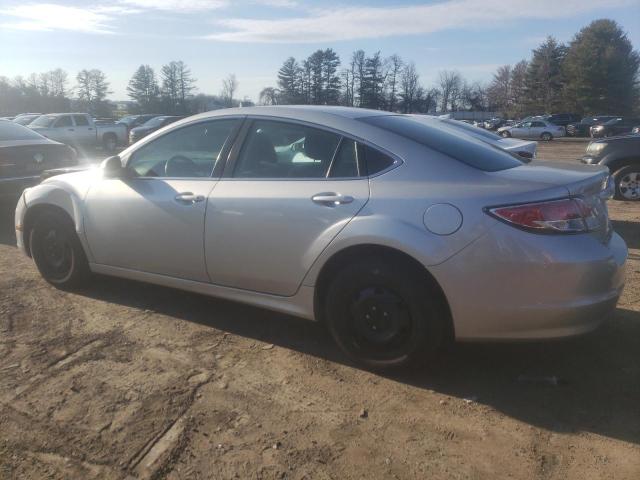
276 149
537 124
64 121
188 152
81 121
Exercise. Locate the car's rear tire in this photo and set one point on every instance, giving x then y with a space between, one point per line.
627 182
546 137
57 251
110 142
383 315
505 134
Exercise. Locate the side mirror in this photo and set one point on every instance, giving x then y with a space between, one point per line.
112 167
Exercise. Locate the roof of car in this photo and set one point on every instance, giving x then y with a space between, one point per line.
298 111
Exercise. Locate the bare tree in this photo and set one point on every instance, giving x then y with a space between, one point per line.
269 96
450 88
409 87
229 87
395 65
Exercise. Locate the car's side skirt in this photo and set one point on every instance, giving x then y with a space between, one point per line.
299 305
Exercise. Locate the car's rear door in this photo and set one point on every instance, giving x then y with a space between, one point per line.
287 192
153 220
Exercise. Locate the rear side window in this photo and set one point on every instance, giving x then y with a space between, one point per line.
346 162
463 148
537 124
375 160
276 149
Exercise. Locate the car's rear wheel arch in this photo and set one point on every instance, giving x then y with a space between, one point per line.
358 253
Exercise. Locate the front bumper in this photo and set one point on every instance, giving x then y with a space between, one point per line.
21 209
514 285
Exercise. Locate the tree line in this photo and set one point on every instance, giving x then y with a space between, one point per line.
596 73
170 92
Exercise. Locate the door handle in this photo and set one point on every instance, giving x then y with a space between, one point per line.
188 198
331 199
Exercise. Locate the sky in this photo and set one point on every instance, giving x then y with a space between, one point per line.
251 38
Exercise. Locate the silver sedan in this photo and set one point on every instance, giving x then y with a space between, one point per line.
398 234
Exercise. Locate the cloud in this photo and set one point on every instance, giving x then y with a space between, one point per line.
350 23
48 16
178 6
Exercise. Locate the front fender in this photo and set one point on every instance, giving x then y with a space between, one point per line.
57 195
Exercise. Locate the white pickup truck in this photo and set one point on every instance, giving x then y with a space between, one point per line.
79 130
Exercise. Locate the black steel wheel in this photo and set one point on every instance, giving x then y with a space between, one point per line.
57 251
383 314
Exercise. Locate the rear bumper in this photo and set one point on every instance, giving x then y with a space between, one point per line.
513 285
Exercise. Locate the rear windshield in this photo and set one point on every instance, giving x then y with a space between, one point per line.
463 148
471 129
13 131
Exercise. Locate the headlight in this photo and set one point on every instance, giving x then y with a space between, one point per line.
595 148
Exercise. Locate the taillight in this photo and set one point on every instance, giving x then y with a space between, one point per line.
569 215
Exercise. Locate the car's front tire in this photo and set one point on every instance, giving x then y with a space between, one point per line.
505 134
384 314
57 251
627 182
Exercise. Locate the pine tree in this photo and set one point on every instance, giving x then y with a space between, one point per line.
143 89
544 80
290 82
601 69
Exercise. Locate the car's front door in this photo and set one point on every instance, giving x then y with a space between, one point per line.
537 129
288 192
85 134
62 130
521 130
152 220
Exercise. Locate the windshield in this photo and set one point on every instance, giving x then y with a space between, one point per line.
464 148
13 131
129 119
44 121
154 122
25 119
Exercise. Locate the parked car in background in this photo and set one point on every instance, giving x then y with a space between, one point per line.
151 126
24 155
397 234
581 128
538 129
478 123
79 130
133 121
26 118
525 149
494 123
621 155
614 127
562 119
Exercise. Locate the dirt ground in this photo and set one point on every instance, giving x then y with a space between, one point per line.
125 380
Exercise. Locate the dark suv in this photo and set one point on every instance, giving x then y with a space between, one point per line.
622 156
562 119
614 127
581 129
